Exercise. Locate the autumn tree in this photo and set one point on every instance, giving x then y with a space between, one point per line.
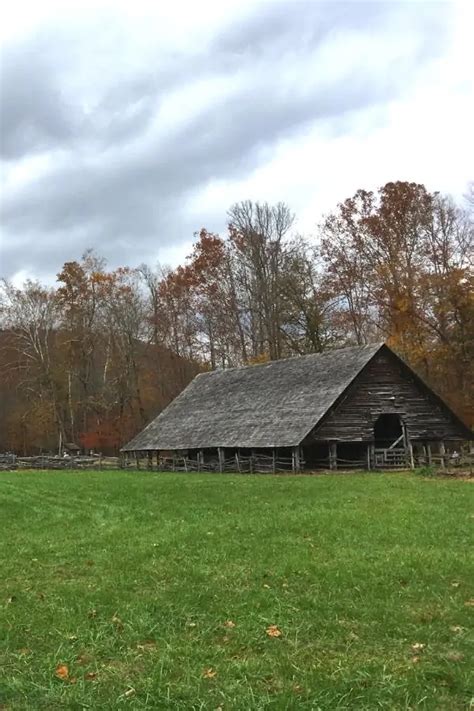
399 261
30 316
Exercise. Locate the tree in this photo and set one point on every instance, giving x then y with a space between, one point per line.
30 315
257 232
399 261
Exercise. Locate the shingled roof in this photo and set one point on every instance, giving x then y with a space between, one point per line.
274 404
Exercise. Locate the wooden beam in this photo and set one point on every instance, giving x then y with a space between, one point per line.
220 454
442 451
428 454
332 455
295 459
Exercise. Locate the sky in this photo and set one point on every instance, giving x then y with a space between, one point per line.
127 126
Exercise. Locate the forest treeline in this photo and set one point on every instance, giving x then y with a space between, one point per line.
92 359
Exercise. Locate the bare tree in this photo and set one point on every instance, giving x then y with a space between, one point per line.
257 233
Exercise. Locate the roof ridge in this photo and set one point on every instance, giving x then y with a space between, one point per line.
329 351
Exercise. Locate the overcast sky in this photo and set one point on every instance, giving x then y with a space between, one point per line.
127 126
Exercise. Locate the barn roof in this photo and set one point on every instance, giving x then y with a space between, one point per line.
274 404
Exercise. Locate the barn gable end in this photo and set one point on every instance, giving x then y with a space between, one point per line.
388 385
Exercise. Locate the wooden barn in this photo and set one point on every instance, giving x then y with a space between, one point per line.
359 407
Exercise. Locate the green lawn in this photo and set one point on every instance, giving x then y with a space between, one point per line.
156 591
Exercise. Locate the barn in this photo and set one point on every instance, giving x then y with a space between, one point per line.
359 407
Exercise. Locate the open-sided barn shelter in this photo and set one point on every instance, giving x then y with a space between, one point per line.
359 407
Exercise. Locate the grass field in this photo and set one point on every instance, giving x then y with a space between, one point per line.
174 591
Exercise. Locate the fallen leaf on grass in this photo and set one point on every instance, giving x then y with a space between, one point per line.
470 603
92 614
90 676
129 692
229 624
192 624
11 599
415 660
455 584
273 631
73 680
417 647
209 673
62 672
267 587
457 628
24 650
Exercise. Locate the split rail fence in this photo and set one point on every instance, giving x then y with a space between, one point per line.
237 463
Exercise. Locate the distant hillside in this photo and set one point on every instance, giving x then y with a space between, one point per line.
120 395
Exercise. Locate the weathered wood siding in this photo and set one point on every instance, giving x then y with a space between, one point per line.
386 385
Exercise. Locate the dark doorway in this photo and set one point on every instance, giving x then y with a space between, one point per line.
387 429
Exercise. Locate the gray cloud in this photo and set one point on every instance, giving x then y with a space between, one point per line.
125 148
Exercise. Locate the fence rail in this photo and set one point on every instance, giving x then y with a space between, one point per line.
12 462
237 463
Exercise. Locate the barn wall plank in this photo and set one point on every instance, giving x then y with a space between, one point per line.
385 386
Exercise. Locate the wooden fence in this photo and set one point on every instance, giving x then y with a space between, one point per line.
237 463
44 461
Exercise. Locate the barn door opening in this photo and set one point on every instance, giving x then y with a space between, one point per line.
389 442
388 430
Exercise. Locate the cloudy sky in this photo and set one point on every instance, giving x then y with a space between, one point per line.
127 126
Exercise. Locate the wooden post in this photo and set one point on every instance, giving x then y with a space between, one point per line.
425 455
333 455
150 459
174 460
296 459
429 460
273 460
137 457
237 461
410 455
369 463
220 454
442 451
